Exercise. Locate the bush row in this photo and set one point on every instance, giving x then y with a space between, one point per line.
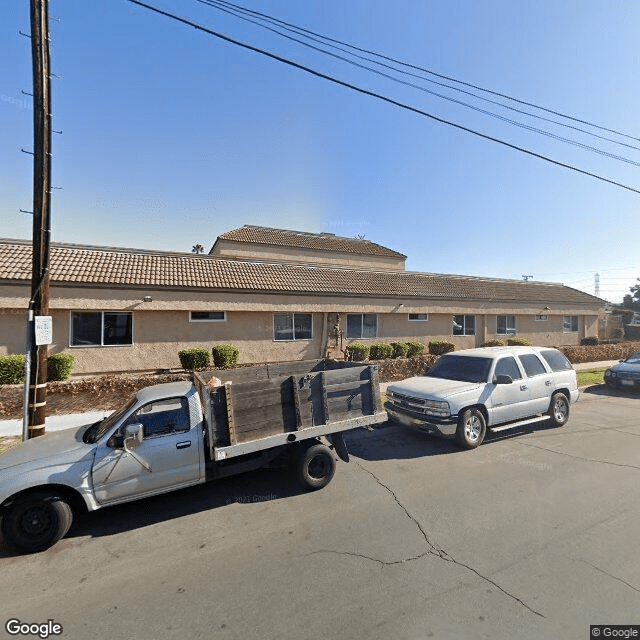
357 352
59 367
225 356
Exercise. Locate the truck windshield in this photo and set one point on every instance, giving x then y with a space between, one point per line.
96 431
462 368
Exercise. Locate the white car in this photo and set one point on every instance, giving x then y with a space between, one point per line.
468 391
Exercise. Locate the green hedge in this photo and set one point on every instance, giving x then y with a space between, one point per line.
59 366
12 369
357 352
400 349
493 343
194 358
225 356
519 342
414 349
380 351
439 347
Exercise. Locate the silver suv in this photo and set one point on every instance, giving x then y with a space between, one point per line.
468 391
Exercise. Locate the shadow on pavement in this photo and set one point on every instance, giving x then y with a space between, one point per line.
614 392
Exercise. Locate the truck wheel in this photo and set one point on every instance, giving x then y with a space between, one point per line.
36 521
559 409
315 466
472 428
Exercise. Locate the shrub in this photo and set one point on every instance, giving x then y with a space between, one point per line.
225 356
380 351
356 352
493 343
414 349
59 366
519 342
439 347
12 369
400 349
194 358
590 341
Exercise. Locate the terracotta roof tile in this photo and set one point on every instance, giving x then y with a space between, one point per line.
108 266
305 240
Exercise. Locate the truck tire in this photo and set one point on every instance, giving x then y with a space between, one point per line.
558 409
315 466
472 427
36 521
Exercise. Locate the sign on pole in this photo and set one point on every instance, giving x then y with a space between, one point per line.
44 330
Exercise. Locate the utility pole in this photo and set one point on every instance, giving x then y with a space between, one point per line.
39 304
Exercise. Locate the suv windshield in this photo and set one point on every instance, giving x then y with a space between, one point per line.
462 368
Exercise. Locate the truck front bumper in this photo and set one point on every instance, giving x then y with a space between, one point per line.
428 424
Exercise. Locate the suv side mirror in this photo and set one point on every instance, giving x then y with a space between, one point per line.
501 378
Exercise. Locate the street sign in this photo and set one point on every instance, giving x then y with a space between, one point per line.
43 330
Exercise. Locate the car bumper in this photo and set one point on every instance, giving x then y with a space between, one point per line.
428 424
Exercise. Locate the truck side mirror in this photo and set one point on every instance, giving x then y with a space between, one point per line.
133 435
116 441
501 378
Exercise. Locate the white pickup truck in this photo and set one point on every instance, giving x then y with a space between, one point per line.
468 391
179 434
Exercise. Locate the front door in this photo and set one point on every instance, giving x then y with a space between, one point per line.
167 458
508 402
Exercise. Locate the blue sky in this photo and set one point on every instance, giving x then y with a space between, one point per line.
171 136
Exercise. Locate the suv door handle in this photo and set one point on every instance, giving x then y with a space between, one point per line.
183 445
547 383
523 387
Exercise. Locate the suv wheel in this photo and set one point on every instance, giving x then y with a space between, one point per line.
559 409
472 428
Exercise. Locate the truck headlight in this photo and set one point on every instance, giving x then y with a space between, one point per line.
438 408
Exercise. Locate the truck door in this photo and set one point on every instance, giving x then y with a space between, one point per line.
167 458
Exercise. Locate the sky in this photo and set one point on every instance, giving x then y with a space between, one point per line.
171 136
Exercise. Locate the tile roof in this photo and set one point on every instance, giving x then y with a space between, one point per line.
305 240
108 266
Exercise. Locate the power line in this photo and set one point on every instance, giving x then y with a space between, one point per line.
383 98
429 71
237 11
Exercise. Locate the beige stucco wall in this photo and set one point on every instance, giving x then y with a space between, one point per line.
297 255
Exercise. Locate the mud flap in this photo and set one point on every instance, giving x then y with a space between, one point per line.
339 445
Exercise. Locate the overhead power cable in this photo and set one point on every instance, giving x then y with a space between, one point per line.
428 71
378 96
241 13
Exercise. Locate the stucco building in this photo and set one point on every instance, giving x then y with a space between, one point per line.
277 295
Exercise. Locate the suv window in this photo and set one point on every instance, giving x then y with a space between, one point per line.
556 360
532 365
508 367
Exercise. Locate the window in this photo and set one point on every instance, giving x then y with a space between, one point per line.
464 325
541 317
418 317
556 360
101 328
162 417
570 323
506 325
362 325
207 316
292 326
508 367
532 365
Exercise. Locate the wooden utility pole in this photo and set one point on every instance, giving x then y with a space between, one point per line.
39 305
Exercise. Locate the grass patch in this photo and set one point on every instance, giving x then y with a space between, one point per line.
592 376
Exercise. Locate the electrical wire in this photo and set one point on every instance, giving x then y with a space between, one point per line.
433 73
241 12
378 96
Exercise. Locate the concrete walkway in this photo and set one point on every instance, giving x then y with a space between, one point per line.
56 423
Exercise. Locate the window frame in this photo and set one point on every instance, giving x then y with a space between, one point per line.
102 343
195 320
410 319
464 324
292 314
361 337
571 319
507 331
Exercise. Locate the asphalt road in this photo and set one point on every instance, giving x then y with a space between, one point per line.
533 535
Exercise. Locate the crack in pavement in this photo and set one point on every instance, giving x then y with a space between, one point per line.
610 575
571 455
432 550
